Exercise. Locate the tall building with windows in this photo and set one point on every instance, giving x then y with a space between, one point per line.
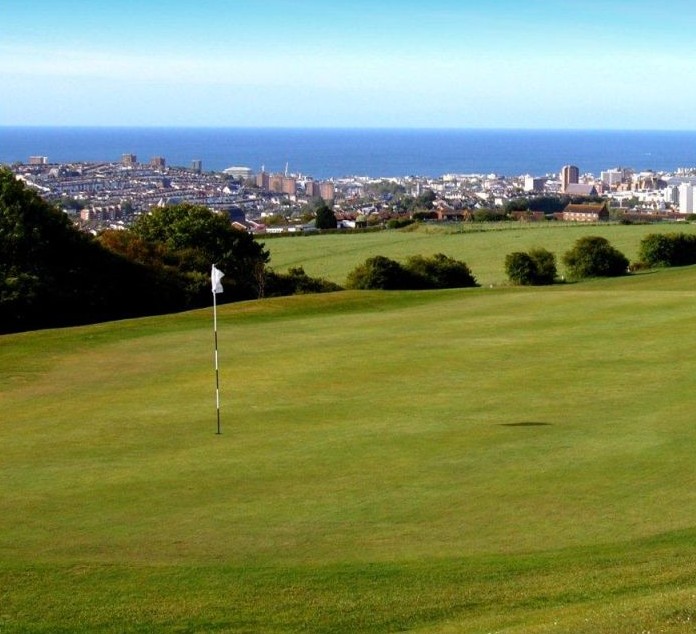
570 175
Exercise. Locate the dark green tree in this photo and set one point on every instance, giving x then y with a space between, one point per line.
545 263
68 202
380 273
191 238
489 215
668 249
419 272
594 256
440 271
426 199
534 268
520 268
296 282
51 274
385 188
548 204
325 218
516 204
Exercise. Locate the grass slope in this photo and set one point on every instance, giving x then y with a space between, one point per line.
513 460
482 246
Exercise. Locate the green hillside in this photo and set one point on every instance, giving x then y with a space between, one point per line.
508 460
482 246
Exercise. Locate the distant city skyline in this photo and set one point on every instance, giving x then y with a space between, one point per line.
615 64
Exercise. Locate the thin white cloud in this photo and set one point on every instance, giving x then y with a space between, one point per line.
118 66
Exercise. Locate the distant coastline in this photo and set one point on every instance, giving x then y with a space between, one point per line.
379 152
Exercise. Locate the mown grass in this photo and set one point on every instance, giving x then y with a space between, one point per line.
515 460
483 246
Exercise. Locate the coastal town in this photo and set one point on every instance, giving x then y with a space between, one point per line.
113 194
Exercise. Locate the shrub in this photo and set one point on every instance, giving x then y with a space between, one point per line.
545 263
424 215
438 271
536 268
489 215
593 256
399 223
669 249
520 268
296 282
380 273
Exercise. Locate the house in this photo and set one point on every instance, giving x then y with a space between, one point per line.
447 212
586 213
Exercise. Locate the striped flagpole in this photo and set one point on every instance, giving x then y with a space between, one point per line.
215 277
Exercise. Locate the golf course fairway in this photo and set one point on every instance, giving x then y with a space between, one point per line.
481 460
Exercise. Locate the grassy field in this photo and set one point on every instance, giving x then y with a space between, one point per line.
482 246
488 460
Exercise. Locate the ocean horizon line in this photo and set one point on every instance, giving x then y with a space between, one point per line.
381 152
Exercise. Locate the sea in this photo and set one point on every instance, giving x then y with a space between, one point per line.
325 153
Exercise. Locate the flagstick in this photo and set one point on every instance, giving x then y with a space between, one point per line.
217 370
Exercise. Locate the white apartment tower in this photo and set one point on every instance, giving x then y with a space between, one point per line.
686 198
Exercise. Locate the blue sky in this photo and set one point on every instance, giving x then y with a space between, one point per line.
304 63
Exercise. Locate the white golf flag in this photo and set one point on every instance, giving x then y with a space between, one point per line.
216 277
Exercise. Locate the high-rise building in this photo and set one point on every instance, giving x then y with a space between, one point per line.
289 185
197 166
687 198
327 190
275 183
570 174
671 194
129 160
263 180
312 189
158 162
613 178
532 184
38 160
